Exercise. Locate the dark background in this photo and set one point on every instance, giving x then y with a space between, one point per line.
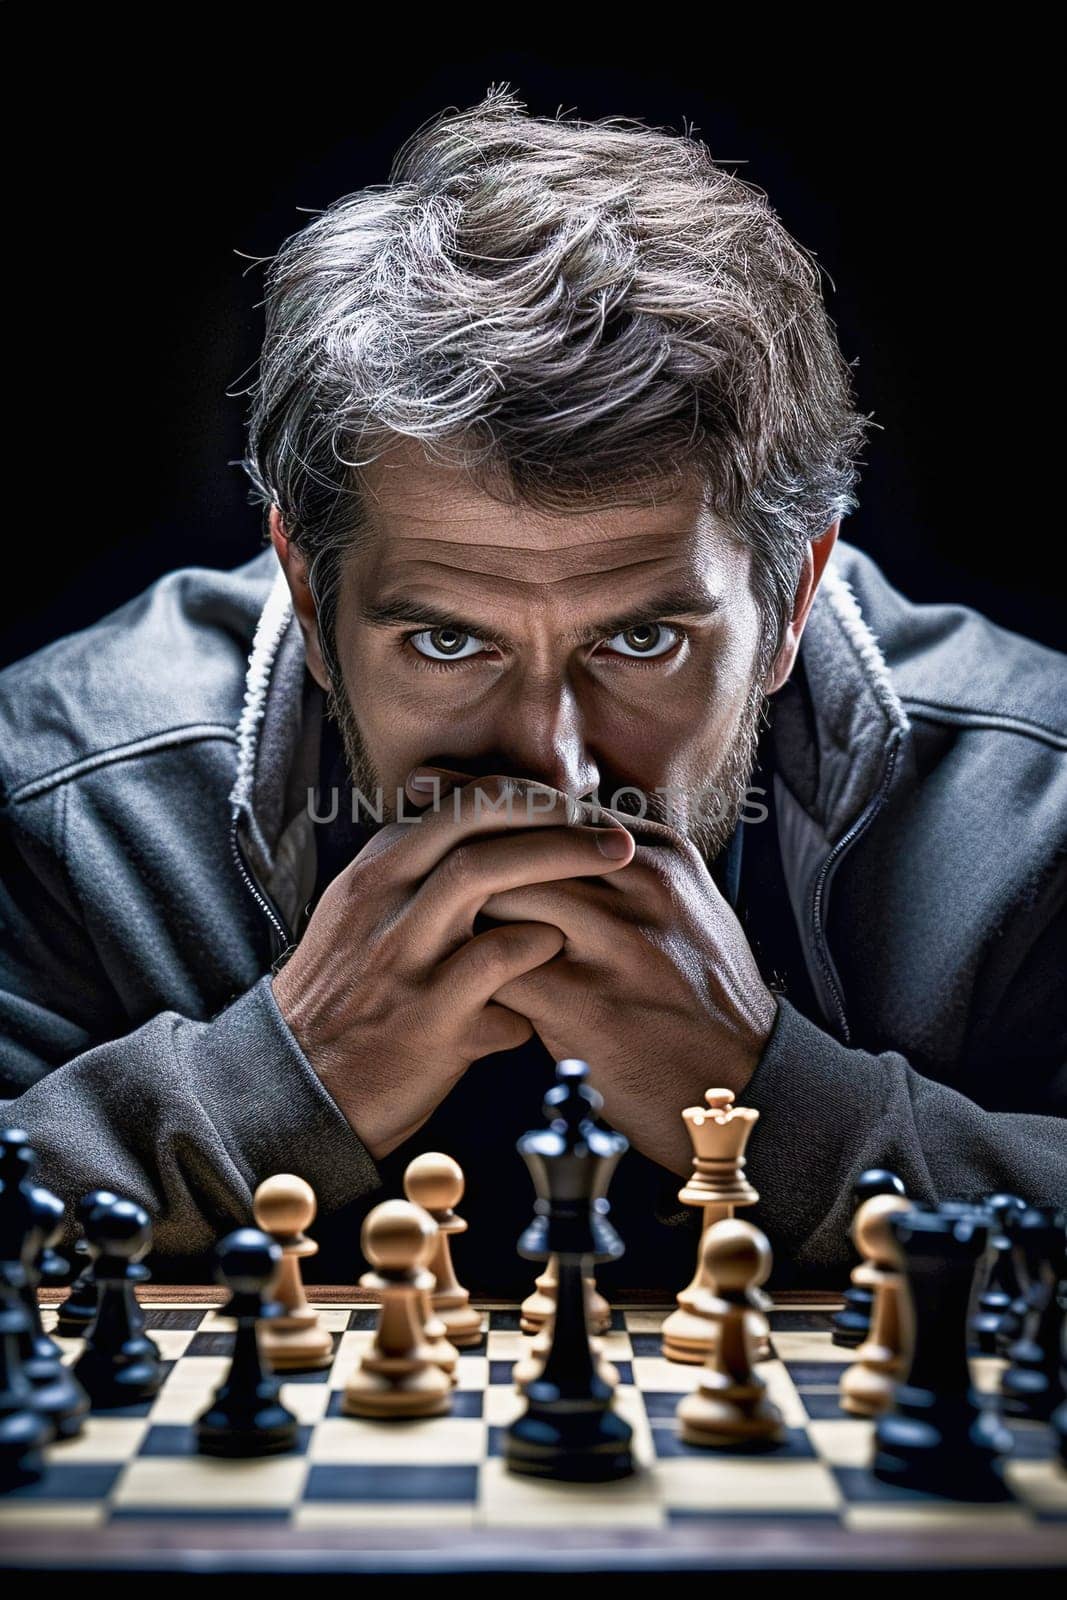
143 172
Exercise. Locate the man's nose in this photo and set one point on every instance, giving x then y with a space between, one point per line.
542 733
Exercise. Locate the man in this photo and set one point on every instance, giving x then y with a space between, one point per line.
554 441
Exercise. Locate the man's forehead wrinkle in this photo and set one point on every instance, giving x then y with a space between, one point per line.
466 522
433 575
537 566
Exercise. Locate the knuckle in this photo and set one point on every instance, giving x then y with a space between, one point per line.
658 867
483 955
457 866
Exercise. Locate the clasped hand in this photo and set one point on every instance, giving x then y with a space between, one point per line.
656 986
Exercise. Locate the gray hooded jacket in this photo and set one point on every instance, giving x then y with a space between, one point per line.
157 858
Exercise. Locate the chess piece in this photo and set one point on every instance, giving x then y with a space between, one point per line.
936 1437
1017 1287
719 1133
19 1235
867 1383
398 1376
53 1267
57 1394
443 1352
1001 1288
434 1331
533 1361
730 1405
31 1220
852 1324
1058 1420
568 1429
77 1311
23 1431
436 1184
295 1340
120 1364
1031 1385
246 1416
538 1309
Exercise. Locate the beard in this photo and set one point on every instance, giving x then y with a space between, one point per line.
707 816
368 791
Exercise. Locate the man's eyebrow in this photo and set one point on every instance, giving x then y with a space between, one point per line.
390 611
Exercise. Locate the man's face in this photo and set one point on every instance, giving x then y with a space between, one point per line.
599 652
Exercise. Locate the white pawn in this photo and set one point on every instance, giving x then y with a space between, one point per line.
533 1362
539 1307
730 1405
296 1342
868 1382
397 1377
416 1180
435 1182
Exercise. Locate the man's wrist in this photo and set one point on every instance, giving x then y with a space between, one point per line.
749 1059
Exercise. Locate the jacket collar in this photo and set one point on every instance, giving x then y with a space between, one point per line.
277 757
838 732
837 728
838 714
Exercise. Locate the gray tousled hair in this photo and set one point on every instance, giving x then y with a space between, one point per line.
579 314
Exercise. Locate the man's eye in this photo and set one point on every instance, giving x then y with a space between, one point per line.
447 644
441 646
651 639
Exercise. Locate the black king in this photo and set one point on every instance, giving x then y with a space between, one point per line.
569 1429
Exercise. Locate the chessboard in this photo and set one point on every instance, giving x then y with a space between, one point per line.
433 1494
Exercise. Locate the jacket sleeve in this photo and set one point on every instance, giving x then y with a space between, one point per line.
184 1115
828 1112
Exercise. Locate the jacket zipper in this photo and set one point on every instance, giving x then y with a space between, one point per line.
822 887
281 937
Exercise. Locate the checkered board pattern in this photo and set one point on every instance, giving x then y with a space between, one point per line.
449 1471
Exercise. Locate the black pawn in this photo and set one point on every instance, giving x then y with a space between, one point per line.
79 1308
1032 1384
246 1416
23 1431
852 1324
57 1394
1058 1420
569 1430
993 1318
936 1437
17 1161
53 1267
120 1365
1014 1319
30 1219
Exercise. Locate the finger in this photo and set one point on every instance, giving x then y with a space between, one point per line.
497 1028
486 805
590 913
443 909
572 905
562 993
427 785
464 983
436 783
647 892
